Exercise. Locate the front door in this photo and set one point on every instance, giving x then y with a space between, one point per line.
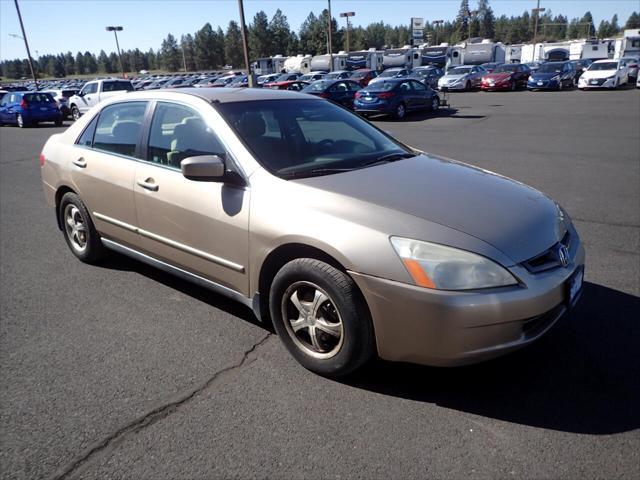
103 163
88 97
200 226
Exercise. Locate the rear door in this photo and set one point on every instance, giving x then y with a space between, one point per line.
408 95
200 226
103 163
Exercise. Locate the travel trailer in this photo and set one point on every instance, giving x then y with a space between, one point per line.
479 51
263 66
278 63
371 59
405 57
628 45
593 49
439 56
320 63
512 53
298 64
532 53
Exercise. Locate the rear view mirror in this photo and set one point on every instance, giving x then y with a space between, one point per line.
203 167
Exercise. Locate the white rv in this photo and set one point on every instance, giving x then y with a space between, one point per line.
628 45
593 49
298 64
479 51
532 53
278 63
371 59
512 53
263 66
405 57
440 55
320 63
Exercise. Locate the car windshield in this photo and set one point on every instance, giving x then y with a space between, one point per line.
388 73
383 86
301 138
283 78
506 69
334 75
459 71
550 68
603 66
359 74
317 86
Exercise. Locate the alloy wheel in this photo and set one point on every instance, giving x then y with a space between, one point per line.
76 228
400 111
312 320
20 121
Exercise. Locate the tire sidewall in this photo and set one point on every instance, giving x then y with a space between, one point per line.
75 113
401 111
358 342
95 249
20 121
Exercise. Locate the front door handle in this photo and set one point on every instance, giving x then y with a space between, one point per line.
80 162
148 184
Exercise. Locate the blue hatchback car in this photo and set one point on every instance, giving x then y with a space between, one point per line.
395 96
552 76
29 108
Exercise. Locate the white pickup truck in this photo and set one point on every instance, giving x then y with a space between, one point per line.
94 92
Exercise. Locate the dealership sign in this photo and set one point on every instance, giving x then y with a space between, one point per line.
417 27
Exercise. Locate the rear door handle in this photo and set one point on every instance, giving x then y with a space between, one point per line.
148 184
80 162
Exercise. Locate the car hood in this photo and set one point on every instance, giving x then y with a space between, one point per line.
516 219
448 77
543 75
496 77
588 75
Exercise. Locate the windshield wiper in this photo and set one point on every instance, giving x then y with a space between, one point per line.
316 172
390 157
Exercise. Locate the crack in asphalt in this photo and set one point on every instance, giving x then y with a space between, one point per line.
152 416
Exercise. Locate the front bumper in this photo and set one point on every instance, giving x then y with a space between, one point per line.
597 83
443 328
496 86
543 85
445 87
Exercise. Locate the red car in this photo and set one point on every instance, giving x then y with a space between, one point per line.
508 76
363 76
296 85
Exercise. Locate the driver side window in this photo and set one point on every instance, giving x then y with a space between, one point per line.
89 88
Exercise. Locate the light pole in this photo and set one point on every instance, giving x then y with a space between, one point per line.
536 11
472 14
329 36
245 45
436 23
347 15
184 58
26 44
115 31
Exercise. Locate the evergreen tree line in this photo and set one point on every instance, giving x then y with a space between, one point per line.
210 49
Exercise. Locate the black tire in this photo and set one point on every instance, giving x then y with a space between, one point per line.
94 250
75 113
58 122
401 111
20 121
513 86
467 86
435 103
357 344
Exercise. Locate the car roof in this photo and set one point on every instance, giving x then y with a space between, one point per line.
223 95
607 60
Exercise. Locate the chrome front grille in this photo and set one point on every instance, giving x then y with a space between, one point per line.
550 258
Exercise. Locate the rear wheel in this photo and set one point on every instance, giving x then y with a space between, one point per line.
58 122
79 232
20 121
321 318
401 111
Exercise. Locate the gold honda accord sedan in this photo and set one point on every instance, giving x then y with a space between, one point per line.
352 243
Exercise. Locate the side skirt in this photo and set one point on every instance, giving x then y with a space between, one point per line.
178 272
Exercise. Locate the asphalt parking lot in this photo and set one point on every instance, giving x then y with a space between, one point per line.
122 371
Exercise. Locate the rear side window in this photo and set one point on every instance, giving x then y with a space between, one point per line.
118 128
178 132
116 86
86 139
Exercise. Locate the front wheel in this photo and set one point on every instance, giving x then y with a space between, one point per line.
79 231
321 318
435 104
467 86
75 113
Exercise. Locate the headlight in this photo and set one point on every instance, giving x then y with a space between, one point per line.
556 78
447 268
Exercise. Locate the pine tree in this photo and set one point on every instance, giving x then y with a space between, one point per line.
233 51
633 21
486 19
169 54
462 20
280 34
260 41
205 44
104 66
188 49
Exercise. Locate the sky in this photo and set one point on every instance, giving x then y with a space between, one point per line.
55 26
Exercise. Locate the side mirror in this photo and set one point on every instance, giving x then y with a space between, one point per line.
203 167
80 94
